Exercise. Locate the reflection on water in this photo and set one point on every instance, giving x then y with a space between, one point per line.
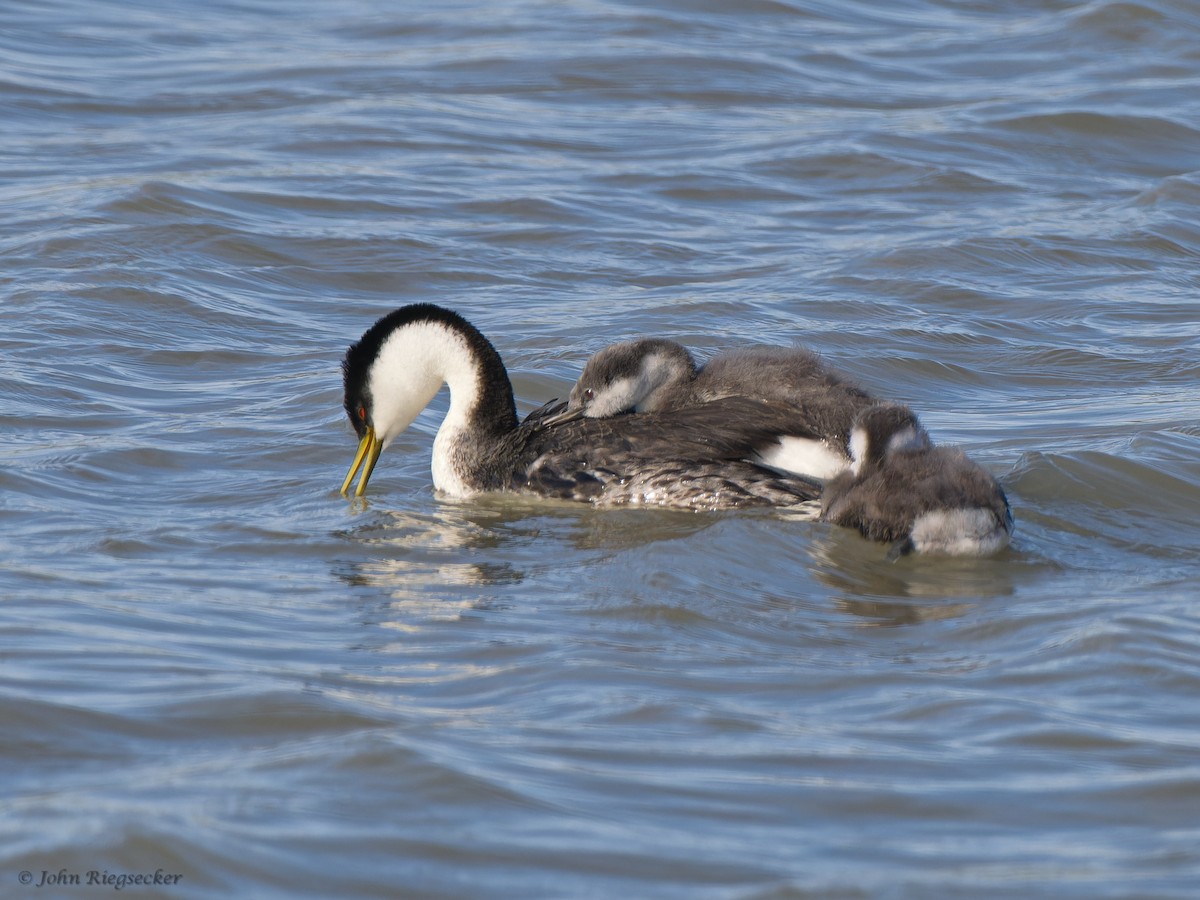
879 612
433 564
857 569
427 563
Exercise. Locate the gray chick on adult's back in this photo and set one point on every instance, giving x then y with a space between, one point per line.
655 374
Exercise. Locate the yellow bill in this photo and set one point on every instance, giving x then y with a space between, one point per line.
368 452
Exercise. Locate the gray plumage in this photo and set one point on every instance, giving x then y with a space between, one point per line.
919 497
653 374
696 458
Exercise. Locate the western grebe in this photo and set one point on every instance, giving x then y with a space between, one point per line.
919 497
694 458
654 374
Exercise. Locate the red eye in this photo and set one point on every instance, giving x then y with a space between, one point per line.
589 394
362 413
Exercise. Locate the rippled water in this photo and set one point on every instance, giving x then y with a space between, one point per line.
215 666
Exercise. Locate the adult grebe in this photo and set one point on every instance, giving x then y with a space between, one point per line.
653 374
693 458
904 490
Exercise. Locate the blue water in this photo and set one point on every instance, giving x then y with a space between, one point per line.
214 666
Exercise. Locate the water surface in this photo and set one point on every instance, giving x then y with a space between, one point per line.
215 666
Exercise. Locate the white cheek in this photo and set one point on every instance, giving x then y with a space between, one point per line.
398 401
618 397
959 532
905 439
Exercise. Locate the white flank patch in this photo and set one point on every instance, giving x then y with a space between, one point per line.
958 532
803 456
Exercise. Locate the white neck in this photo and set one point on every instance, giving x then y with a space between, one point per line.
858 450
908 438
413 363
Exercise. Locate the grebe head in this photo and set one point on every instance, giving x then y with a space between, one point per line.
632 376
918 497
882 429
392 372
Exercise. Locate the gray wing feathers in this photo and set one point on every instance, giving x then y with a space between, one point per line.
695 458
